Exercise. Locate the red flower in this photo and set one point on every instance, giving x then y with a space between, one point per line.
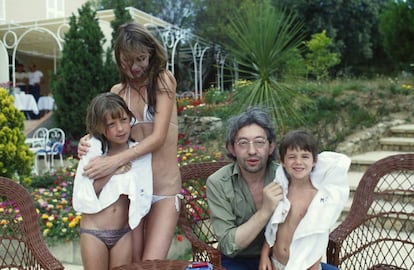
180 238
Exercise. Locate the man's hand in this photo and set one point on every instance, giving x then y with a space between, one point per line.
272 195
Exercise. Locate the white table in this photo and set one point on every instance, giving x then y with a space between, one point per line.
26 102
46 103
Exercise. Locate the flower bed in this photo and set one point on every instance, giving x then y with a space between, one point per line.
52 194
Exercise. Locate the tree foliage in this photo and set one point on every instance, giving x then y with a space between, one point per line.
177 12
16 159
111 74
212 18
319 58
80 75
352 25
261 38
121 16
397 29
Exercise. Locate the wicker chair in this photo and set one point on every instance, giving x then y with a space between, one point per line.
194 218
378 232
21 243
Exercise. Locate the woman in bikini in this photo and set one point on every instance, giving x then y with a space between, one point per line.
150 92
110 206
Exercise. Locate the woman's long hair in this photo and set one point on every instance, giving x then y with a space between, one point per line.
132 38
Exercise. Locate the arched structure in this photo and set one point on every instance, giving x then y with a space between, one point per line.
4 63
18 39
43 40
186 47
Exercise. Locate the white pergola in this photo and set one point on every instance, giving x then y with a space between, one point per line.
45 39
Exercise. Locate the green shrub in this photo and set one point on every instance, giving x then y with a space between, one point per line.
216 96
319 59
16 159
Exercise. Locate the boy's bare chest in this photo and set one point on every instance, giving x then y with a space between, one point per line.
299 206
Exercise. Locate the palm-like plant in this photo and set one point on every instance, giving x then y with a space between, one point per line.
262 40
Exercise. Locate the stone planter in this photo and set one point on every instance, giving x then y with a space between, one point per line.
67 252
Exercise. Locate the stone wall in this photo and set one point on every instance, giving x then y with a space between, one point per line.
365 140
195 128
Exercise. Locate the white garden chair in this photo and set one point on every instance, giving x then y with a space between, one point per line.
54 147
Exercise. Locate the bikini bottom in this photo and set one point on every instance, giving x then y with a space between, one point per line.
156 198
108 237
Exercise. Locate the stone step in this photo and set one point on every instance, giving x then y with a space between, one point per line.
362 161
397 144
400 141
353 178
395 181
406 130
395 205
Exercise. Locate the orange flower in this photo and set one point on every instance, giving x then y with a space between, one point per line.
179 238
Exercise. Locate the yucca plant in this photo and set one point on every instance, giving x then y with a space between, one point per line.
263 40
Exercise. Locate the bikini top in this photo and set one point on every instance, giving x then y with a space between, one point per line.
148 117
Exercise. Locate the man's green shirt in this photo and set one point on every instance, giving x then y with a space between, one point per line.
231 204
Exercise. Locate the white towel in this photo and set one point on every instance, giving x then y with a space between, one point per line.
136 183
330 177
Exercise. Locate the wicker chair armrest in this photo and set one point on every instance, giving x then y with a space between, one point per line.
33 237
213 253
198 246
32 251
338 236
46 259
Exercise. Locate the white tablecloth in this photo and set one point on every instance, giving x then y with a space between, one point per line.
26 102
46 103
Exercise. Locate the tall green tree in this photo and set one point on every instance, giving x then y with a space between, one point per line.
80 75
111 74
397 29
261 39
121 16
352 24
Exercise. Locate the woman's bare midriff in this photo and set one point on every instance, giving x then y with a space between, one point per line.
167 180
166 173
